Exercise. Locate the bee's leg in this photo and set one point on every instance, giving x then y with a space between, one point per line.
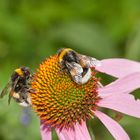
9 99
30 90
62 69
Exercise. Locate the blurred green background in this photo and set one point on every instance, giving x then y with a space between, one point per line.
31 30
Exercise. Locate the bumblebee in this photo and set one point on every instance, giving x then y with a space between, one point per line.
77 65
19 86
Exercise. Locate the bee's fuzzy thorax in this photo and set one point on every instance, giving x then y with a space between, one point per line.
62 53
58 100
19 71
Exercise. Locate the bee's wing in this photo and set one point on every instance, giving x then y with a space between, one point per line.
12 91
5 90
87 61
15 83
76 71
75 68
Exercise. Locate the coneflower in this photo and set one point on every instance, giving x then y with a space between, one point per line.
65 106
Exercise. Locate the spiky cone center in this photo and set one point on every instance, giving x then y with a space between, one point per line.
58 100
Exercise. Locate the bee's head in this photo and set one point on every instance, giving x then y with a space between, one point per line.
26 72
67 54
23 72
19 72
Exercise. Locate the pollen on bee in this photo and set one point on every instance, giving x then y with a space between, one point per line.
16 95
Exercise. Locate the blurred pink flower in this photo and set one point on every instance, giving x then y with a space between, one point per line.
114 96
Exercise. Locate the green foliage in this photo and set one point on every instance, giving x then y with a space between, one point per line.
31 30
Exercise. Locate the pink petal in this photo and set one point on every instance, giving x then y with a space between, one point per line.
65 134
118 67
124 103
45 132
122 85
82 132
79 132
114 128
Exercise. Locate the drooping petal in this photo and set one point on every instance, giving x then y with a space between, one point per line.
82 132
118 67
65 134
45 132
79 132
124 103
122 85
114 128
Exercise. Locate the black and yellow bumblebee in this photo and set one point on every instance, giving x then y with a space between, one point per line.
19 86
77 65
